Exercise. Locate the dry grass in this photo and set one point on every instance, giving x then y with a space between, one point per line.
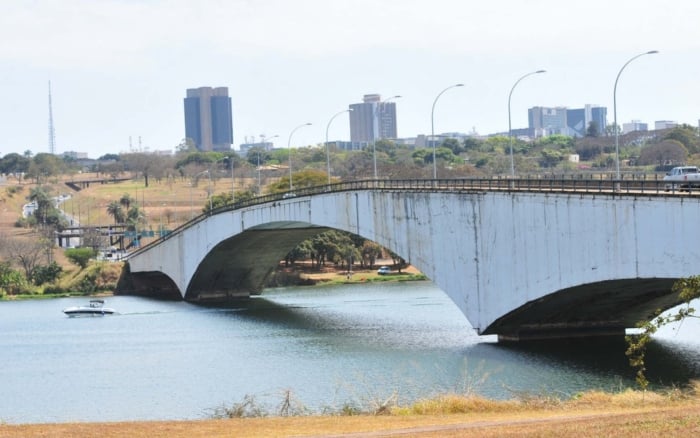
673 419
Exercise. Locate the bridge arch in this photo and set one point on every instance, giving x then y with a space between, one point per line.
516 263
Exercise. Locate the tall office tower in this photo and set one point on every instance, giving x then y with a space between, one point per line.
372 119
580 120
208 118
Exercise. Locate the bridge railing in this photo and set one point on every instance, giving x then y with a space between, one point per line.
538 184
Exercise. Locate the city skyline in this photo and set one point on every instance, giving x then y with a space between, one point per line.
118 68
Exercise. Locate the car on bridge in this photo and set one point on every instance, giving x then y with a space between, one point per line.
384 270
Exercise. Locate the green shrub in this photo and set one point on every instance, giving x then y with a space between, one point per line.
46 274
80 256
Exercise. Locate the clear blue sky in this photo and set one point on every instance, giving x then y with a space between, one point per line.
120 68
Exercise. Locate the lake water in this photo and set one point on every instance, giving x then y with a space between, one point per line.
329 346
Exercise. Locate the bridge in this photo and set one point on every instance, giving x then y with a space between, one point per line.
523 259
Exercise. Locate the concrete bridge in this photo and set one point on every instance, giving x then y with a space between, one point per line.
520 259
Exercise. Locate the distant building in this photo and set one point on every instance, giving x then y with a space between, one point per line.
664 124
580 120
544 121
264 145
208 118
372 120
75 155
634 125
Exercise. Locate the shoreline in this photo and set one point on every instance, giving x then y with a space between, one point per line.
627 414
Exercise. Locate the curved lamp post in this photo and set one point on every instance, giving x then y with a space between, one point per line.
617 130
208 190
233 185
289 147
379 136
432 125
263 142
510 130
328 155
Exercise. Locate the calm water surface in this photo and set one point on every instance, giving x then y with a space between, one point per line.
330 346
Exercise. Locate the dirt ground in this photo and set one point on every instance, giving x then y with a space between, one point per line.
680 420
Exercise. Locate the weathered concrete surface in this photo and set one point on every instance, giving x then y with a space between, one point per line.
516 264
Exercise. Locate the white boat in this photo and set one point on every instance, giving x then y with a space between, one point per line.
94 308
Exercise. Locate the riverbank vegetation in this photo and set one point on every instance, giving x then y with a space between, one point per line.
629 413
468 403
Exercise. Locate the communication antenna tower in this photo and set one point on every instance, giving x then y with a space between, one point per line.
52 133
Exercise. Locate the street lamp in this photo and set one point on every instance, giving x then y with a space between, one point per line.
378 132
208 189
328 154
289 148
432 125
233 184
510 130
263 145
617 130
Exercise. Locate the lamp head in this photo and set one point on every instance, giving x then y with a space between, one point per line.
541 71
651 52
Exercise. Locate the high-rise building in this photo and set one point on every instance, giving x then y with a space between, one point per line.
208 118
544 121
372 120
590 117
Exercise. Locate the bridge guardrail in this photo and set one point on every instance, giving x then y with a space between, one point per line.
541 184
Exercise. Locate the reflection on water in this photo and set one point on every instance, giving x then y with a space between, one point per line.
329 345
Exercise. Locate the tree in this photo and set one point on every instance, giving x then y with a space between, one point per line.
109 157
115 210
686 135
593 129
126 200
25 252
45 165
453 145
46 274
588 150
471 144
80 256
14 163
550 157
303 179
43 201
141 163
258 156
668 151
217 201
441 154
187 145
134 217
687 289
11 281
370 252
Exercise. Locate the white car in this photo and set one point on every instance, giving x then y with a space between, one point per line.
384 270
